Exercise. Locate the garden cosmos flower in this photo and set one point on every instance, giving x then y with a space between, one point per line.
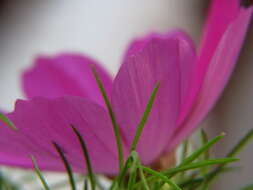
62 91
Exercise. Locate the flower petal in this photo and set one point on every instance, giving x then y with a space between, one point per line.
187 63
65 74
154 59
41 121
224 50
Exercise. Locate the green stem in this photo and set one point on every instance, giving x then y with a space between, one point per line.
67 166
112 116
144 117
86 157
38 172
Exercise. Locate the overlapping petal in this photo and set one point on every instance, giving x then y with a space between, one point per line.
189 87
42 121
187 62
65 74
156 58
223 38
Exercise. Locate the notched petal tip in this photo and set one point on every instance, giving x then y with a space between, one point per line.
138 44
64 74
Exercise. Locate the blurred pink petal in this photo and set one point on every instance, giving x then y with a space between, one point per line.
42 121
156 58
65 74
223 37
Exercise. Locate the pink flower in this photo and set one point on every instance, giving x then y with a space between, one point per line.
62 91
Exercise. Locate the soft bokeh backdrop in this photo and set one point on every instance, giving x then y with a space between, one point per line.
102 29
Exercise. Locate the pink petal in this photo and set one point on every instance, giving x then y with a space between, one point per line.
187 63
224 45
65 74
42 121
217 23
222 13
156 58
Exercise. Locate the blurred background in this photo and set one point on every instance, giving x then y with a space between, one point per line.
102 30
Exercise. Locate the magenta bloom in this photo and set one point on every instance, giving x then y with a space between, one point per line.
62 91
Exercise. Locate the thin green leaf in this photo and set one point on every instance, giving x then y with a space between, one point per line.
144 117
132 178
191 182
235 150
112 116
119 179
63 183
199 164
86 157
162 177
67 166
202 150
199 152
143 179
185 150
204 140
199 180
85 186
213 174
133 170
8 122
248 187
241 144
204 185
206 155
173 171
38 172
156 186
124 170
6 184
183 157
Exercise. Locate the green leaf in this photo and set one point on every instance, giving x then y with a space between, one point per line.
156 186
164 178
124 170
133 170
241 144
202 150
4 119
204 140
63 183
86 157
112 116
143 179
119 179
199 152
248 187
183 157
185 150
67 166
173 171
38 172
85 186
199 164
235 150
213 174
206 155
6 184
144 117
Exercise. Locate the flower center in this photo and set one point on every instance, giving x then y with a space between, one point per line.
165 161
